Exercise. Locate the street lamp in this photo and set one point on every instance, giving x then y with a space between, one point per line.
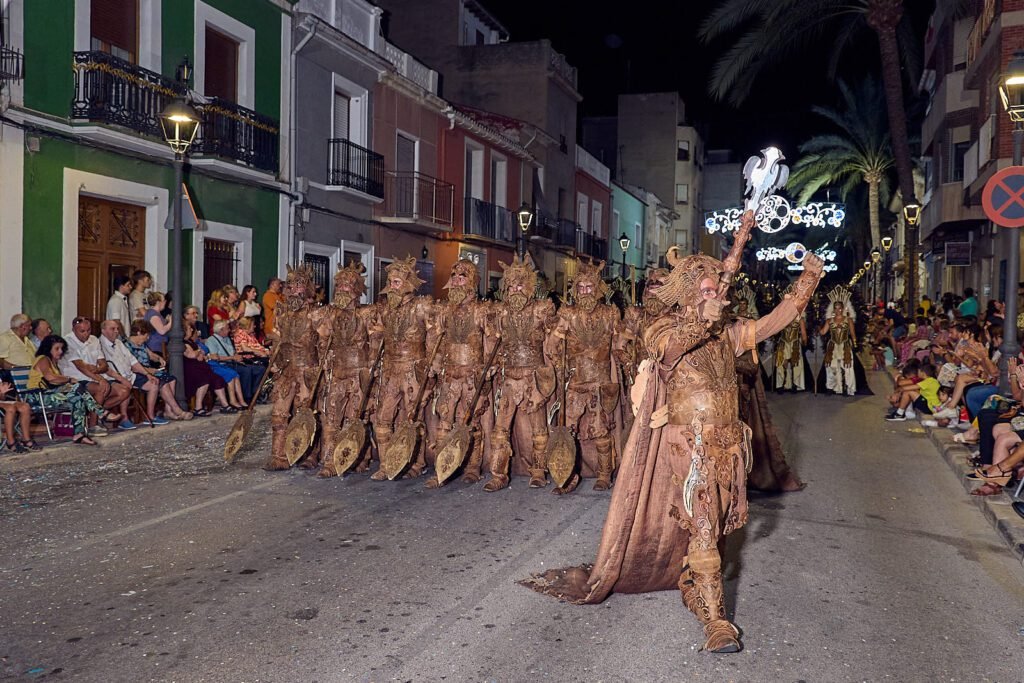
1012 92
179 122
525 216
876 254
887 242
624 246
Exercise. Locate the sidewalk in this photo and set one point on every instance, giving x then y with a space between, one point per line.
996 509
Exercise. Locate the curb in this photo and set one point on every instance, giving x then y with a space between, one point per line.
996 509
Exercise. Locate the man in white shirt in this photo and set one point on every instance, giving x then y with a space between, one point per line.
117 306
84 361
127 371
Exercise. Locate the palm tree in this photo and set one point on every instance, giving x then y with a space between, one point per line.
858 152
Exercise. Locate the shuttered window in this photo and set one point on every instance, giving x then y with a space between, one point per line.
115 27
342 112
221 66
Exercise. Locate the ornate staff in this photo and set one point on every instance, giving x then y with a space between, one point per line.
236 437
353 436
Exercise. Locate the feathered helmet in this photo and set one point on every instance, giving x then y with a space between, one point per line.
520 271
589 273
354 275
840 296
744 294
682 285
300 279
406 270
467 269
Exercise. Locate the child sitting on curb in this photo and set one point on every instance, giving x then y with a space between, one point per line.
922 397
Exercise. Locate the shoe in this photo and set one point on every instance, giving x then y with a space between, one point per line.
911 415
1001 479
929 423
896 417
201 413
31 445
126 424
160 421
228 410
892 411
1019 508
99 430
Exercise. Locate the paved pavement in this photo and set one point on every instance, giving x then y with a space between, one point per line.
158 563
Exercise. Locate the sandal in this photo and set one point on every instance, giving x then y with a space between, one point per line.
83 440
228 410
988 489
203 412
31 445
15 448
1001 479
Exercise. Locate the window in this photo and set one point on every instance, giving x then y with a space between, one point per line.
615 229
683 152
682 193
481 39
114 25
956 161
342 115
474 171
221 63
582 204
405 154
499 181
595 218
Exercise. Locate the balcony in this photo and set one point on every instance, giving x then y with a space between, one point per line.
483 219
418 200
118 93
592 246
353 166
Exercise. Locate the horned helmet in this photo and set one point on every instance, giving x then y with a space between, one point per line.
299 287
349 285
518 282
469 279
682 285
402 280
586 286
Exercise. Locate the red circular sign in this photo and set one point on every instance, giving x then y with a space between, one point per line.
1003 197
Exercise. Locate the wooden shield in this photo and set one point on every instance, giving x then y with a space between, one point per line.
350 445
451 452
400 449
236 437
300 434
561 455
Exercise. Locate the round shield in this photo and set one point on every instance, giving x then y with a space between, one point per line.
350 445
300 434
237 436
398 454
561 455
451 453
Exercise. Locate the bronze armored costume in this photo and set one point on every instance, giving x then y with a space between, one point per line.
523 383
466 344
635 321
589 330
345 327
297 363
681 486
406 322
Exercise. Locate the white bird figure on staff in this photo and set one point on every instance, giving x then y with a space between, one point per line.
764 174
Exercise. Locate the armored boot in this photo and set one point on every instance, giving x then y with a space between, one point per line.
312 459
277 461
328 440
603 445
701 588
383 437
501 455
443 430
538 476
471 471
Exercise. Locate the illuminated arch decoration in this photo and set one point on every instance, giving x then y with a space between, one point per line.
776 213
794 254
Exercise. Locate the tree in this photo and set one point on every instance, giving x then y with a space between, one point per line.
858 152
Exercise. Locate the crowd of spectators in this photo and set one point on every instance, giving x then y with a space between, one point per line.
97 379
947 359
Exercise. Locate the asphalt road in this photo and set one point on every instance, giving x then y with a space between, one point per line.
149 560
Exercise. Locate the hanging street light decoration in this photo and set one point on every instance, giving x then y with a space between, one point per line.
525 217
887 243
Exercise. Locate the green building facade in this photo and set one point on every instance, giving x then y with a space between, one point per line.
628 216
87 178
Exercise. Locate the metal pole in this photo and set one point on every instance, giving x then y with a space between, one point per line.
1010 348
176 342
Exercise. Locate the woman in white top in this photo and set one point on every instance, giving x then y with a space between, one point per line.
251 308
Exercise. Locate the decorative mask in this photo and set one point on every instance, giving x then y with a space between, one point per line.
518 282
349 285
586 285
299 287
682 285
404 270
470 277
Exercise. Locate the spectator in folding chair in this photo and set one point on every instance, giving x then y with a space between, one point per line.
130 370
85 363
220 349
62 392
16 413
41 329
16 350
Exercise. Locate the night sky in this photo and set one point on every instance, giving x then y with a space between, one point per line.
651 45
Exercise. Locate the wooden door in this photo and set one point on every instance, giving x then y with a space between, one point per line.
111 242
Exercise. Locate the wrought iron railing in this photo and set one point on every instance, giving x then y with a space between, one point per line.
418 196
592 246
565 233
484 219
114 91
232 131
352 165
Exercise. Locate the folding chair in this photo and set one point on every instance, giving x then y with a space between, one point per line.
34 397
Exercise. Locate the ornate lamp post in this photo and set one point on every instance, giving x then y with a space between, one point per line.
525 217
179 122
1012 92
624 246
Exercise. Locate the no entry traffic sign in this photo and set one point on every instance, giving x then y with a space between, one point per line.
1003 197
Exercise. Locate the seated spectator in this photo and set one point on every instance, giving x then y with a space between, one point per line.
15 348
250 307
235 306
158 323
67 392
923 397
16 413
117 305
976 381
137 300
217 307
129 369
1000 472
200 376
138 338
908 379
40 331
246 342
84 362
226 362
